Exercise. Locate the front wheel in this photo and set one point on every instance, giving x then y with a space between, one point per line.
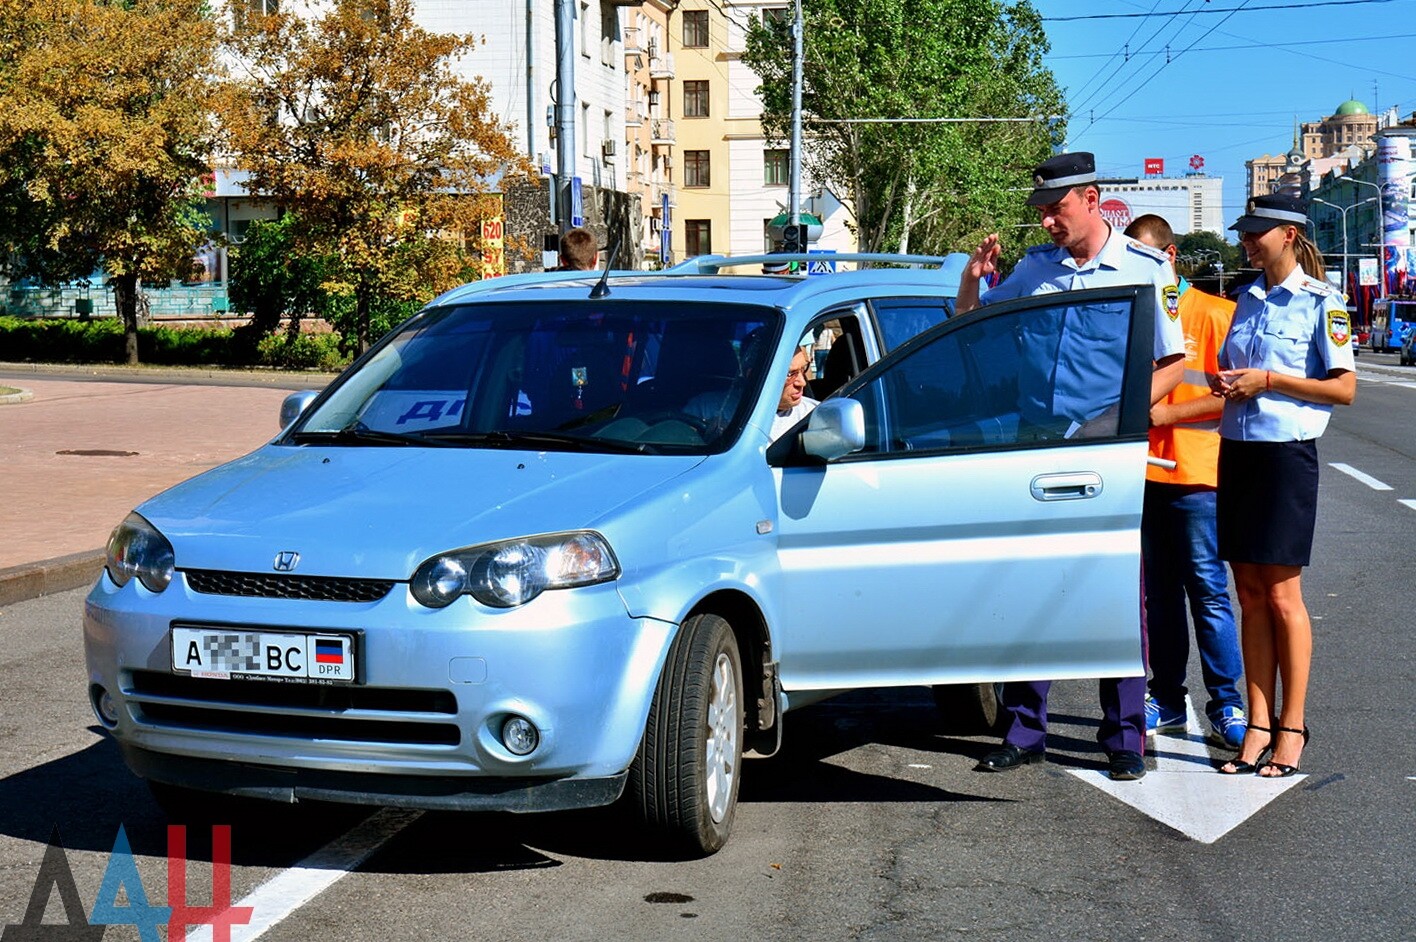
683 782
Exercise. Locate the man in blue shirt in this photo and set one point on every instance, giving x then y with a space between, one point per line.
1085 252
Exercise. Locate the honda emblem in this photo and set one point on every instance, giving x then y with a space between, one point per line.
286 561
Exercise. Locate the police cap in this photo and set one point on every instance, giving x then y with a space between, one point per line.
1056 175
1263 213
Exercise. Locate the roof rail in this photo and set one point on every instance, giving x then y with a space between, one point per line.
712 264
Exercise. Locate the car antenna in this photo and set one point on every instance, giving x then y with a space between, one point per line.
602 287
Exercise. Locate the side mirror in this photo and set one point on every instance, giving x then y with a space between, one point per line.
836 427
295 404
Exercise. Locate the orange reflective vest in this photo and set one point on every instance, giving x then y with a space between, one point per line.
1194 444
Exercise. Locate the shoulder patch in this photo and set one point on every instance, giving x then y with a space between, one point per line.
1140 247
1338 328
1171 294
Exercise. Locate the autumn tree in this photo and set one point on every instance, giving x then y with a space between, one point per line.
357 121
104 127
916 186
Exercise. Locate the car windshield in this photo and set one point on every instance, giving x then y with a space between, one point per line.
604 376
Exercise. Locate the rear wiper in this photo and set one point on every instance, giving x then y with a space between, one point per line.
360 434
540 439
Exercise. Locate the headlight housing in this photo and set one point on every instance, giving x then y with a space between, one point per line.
513 572
136 548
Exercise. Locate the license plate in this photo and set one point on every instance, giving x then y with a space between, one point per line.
226 653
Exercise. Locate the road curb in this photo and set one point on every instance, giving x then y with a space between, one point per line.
282 379
31 580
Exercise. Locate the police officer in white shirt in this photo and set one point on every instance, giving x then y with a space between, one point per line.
1086 252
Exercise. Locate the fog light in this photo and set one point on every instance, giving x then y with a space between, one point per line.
519 736
106 706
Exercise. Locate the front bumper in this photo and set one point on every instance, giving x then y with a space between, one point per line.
422 726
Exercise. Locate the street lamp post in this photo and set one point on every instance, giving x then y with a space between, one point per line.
1345 210
1381 235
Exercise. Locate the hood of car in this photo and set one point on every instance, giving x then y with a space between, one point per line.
378 512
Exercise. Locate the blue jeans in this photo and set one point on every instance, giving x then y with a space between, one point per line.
1181 552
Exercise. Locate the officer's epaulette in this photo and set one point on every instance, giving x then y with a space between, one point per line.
1042 247
1319 287
1142 249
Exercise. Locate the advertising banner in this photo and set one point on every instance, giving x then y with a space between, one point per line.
1367 271
1155 166
1394 170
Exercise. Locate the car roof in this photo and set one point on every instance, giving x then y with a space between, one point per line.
704 279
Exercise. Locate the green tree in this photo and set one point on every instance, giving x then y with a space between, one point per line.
104 127
916 186
1199 252
271 278
357 122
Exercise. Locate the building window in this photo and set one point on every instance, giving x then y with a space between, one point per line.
695 98
698 237
695 29
776 16
609 27
695 168
776 166
247 14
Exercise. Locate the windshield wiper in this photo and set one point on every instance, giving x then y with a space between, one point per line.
362 434
544 440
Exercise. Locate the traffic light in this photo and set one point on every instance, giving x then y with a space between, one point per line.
794 238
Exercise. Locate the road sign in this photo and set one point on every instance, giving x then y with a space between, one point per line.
823 266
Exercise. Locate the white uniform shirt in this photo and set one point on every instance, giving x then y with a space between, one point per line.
1300 328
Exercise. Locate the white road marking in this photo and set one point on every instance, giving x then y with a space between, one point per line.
287 891
1185 792
1366 479
1406 385
1407 502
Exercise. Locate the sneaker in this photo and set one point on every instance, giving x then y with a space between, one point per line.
1161 720
1228 726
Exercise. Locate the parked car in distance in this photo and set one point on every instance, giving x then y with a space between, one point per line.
537 549
1408 349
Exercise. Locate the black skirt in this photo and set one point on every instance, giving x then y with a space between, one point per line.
1268 501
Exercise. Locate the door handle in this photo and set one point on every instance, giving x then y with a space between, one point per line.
1076 485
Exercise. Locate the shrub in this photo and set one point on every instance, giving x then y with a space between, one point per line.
302 352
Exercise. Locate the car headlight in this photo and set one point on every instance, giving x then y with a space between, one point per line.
137 549
513 572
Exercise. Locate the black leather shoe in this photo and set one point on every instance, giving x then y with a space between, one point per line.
1125 766
1009 757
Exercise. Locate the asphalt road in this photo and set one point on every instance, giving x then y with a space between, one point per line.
870 825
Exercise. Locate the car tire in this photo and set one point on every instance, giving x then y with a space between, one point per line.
967 709
683 782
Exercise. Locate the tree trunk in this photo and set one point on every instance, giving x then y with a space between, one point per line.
907 216
125 298
361 318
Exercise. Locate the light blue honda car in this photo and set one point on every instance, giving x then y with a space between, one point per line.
537 550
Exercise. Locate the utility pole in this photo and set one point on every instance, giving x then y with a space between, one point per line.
565 109
794 179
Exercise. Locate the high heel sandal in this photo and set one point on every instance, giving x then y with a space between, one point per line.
1245 768
1285 770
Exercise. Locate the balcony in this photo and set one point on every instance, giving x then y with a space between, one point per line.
661 132
662 67
633 45
636 113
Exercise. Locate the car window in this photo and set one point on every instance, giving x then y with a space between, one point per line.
1039 375
586 376
900 319
839 353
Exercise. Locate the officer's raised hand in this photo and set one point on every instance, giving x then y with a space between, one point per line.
982 263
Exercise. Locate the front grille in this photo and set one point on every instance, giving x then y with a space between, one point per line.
279 586
195 703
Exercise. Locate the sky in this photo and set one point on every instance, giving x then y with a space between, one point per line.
1224 79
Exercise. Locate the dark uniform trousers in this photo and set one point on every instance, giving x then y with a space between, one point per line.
1123 708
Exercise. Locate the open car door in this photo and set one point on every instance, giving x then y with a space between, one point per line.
988 528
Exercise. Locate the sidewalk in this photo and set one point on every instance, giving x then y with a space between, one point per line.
94 442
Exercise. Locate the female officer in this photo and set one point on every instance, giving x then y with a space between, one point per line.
1286 362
